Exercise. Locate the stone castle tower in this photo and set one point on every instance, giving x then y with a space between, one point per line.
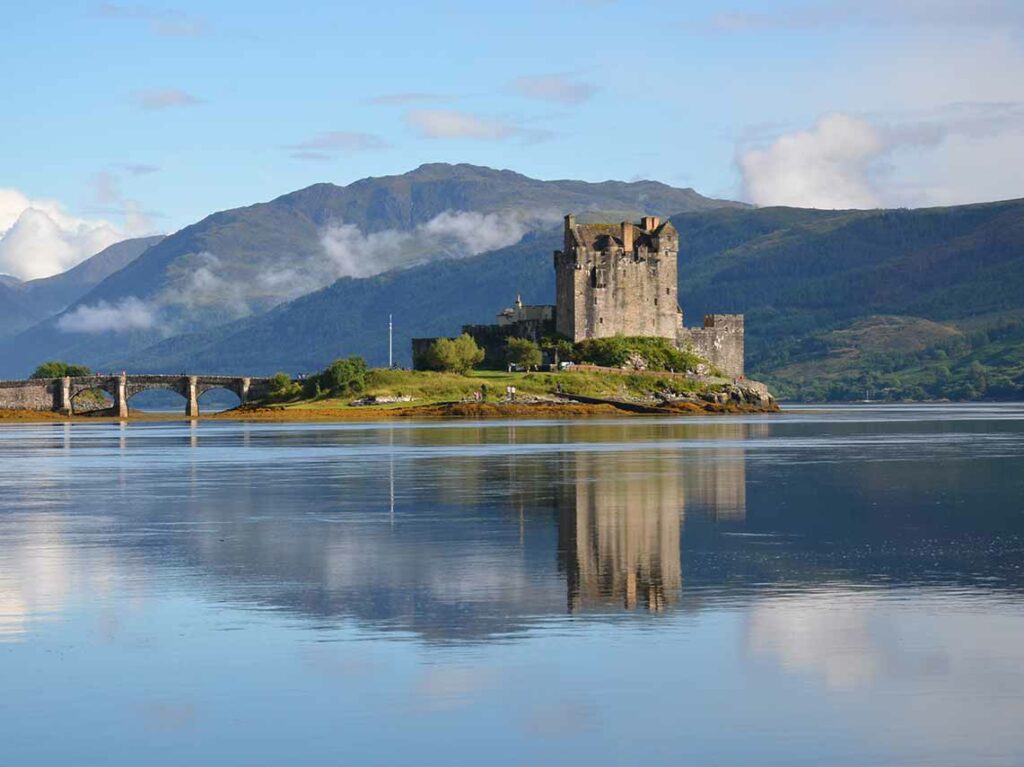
618 279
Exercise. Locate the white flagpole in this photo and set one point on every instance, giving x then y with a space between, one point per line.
390 359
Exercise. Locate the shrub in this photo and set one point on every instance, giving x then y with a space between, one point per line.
523 352
56 369
618 351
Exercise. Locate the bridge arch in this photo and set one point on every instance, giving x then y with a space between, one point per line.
92 399
220 398
156 399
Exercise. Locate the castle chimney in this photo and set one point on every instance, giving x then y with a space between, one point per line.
627 236
650 223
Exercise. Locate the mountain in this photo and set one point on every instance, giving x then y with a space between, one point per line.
892 303
243 262
904 303
26 303
15 311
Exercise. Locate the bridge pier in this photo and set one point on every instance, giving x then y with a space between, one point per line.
121 398
192 407
65 396
243 390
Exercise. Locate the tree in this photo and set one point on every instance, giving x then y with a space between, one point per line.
453 355
561 348
344 376
522 352
57 369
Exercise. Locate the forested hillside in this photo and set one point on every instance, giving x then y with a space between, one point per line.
243 262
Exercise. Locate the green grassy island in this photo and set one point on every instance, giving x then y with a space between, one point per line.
576 391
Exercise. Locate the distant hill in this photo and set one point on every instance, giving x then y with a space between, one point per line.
911 303
895 303
245 261
26 303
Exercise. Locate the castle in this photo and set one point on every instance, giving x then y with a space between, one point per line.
614 279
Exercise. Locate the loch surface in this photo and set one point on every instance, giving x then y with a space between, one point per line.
835 585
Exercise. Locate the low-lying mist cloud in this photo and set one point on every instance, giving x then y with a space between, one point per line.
102 317
205 287
451 234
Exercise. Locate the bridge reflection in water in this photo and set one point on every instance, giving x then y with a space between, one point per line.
60 394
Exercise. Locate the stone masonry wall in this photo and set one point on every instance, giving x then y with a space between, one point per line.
720 342
19 395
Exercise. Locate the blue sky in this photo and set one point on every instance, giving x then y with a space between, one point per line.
147 116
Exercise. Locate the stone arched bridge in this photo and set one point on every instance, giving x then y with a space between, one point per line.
58 394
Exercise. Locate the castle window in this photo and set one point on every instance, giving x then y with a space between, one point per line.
668 291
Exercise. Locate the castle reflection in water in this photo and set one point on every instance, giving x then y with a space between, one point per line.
620 520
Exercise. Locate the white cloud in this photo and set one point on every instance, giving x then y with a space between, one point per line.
39 238
954 153
102 317
825 167
451 124
323 146
164 98
556 88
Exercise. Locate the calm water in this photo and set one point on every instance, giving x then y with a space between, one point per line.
842 587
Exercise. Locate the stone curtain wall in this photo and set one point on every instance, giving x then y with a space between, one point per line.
720 342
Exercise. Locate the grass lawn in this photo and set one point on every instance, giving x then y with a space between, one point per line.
429 387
